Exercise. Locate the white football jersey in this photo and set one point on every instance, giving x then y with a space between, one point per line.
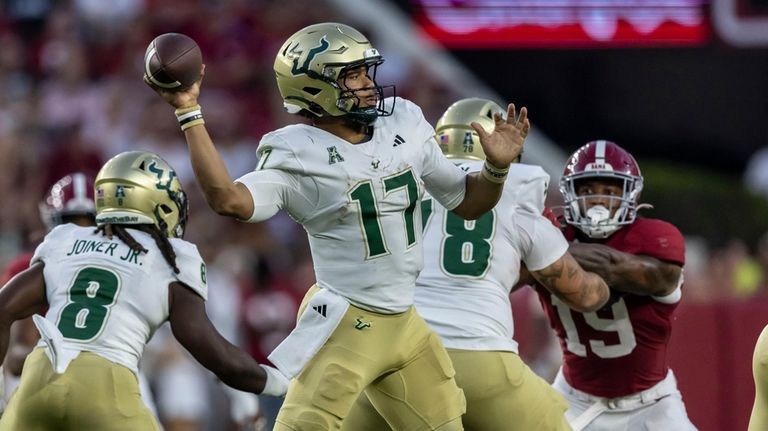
107 299
471 266
360 204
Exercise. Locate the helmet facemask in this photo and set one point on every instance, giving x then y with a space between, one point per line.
599 221
349 102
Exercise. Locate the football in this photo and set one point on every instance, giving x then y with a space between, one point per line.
173 61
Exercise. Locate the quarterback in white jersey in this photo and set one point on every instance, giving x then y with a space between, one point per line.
470 268
107 290
365 194
354 179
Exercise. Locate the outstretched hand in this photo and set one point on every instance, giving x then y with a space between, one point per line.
505 143
179 98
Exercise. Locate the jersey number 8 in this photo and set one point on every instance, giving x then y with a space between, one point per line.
90 299
466 249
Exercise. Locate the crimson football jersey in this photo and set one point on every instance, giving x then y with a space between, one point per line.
620 349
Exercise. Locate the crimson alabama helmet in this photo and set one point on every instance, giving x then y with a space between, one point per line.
72 195
601 160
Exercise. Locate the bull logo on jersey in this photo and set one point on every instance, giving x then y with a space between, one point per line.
360 325
334 155
468 145
295 53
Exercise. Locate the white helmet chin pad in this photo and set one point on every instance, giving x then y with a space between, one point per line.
598 214
598 222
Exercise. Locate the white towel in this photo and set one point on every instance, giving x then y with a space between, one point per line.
316 324
50 335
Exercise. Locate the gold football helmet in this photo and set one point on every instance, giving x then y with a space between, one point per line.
311 64
139 187
457 139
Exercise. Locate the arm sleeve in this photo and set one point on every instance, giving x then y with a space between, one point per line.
443 180
275 183
542 243
270 190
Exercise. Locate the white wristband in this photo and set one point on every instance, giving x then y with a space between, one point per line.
277 383
494 174
188 117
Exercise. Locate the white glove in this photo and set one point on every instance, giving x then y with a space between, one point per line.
277 383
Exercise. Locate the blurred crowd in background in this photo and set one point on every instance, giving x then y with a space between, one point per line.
71 96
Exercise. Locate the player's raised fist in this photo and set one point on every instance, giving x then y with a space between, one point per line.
173 62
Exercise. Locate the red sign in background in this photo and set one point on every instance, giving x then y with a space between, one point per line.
563 23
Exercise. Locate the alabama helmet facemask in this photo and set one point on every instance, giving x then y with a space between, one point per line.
70 196
139 187
602 161
311 64
454 133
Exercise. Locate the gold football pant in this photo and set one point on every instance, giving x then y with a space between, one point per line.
94 394
400 361
502 394
759 419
